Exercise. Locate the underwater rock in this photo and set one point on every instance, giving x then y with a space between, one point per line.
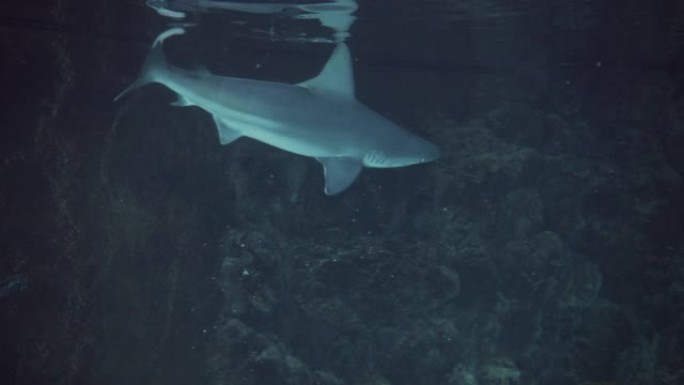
241 354
13 285
462 375
582 286
499 371
518 124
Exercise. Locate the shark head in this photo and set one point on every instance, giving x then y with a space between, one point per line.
405 150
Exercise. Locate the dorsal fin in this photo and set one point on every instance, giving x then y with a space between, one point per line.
336 77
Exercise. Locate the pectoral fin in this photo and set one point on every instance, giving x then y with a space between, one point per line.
340 173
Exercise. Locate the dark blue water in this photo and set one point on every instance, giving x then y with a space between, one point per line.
543 247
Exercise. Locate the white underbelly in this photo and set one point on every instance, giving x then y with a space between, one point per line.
284 139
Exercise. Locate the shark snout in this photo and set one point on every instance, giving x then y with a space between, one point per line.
430 152
414 151
422 151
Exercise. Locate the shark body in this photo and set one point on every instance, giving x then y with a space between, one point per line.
318 118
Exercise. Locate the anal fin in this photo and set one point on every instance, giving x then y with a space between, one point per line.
182 102
226 134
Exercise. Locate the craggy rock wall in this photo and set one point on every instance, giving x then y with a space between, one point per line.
545 247
114 260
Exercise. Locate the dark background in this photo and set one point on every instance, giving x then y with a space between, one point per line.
545 247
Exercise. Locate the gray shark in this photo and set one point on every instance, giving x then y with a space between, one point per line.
319 118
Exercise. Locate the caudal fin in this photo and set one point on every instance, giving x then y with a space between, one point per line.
155 62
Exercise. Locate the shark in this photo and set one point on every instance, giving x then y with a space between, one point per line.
318 118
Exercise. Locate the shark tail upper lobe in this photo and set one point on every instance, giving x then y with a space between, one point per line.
155 62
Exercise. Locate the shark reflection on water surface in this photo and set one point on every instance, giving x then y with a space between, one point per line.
337 15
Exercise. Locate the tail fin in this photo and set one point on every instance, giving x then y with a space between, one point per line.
155 62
